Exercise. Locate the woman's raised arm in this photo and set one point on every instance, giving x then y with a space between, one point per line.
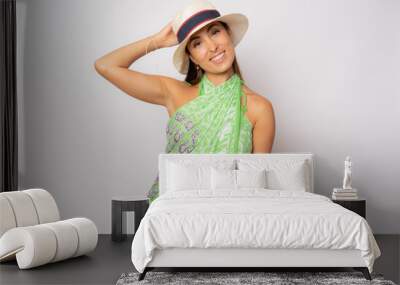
150 88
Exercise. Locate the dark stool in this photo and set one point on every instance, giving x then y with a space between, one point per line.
139 205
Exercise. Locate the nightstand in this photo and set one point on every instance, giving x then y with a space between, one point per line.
139 205
358 206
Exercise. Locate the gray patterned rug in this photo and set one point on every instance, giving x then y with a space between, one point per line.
275 278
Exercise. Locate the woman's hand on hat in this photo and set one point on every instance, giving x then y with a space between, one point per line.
166 37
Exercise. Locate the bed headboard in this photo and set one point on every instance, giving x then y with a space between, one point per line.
164 157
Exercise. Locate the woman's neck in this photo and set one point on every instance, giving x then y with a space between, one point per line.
219 78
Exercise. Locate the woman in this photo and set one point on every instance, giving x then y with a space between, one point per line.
212 110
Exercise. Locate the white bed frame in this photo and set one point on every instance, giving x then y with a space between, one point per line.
251 257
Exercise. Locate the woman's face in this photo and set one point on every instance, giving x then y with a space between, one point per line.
209 41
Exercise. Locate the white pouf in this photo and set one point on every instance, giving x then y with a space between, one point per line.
32 233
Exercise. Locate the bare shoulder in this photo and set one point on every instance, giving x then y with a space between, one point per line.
258 105
174 86
177 93
264 122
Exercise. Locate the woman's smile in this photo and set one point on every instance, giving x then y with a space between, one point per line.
218 58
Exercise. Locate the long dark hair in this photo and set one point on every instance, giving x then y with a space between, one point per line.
193 76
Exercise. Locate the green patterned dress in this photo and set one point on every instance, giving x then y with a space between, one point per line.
213 122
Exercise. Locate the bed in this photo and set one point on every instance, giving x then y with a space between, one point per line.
247 210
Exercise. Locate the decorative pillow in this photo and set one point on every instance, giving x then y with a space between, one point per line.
186 177
281 174
184 174
256 178
237 179
223 178
293 178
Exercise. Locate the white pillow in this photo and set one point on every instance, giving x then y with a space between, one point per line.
237 179
293 178
256 178
184 174
223 178
182 177
281 174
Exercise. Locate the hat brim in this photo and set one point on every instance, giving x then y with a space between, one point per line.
238 24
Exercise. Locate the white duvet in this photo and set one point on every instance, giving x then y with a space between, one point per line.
250 218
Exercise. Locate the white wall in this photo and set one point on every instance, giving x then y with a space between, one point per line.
330 68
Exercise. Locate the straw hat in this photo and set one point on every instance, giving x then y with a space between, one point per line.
197 15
